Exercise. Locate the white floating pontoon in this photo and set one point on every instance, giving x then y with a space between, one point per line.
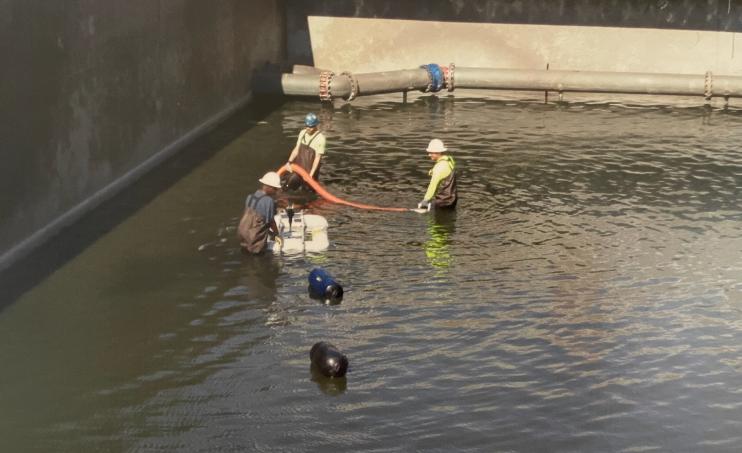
305 233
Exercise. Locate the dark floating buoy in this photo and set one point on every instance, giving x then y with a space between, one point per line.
322 286
328 360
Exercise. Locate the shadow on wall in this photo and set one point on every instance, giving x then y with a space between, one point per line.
72 240
712 15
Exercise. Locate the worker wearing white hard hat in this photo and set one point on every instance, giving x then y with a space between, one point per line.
271 179
258 220
441 191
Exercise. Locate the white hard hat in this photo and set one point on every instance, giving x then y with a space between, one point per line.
436 146
271 179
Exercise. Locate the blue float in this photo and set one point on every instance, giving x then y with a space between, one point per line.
323 286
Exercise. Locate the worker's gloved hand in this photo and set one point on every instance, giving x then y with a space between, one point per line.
425 204
279 241
288 167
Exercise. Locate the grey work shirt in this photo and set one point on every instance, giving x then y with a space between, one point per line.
266 205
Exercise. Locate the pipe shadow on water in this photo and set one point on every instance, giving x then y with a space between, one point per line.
72 240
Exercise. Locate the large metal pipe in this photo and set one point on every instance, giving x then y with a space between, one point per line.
598 82
307 84
392 81
346 85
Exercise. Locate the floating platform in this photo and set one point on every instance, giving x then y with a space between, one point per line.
304 233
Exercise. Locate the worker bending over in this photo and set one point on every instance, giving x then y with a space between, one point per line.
441 191
307 153
258 221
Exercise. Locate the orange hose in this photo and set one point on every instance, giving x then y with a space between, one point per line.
322 192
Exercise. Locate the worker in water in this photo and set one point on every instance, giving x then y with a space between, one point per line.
258 221
441 191
307 153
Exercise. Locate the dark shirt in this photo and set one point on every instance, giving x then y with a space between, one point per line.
266 205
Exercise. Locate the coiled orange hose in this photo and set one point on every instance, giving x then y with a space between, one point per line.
322 192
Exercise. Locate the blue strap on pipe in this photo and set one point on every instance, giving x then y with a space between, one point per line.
437 79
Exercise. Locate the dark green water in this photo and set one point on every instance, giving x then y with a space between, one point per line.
585 296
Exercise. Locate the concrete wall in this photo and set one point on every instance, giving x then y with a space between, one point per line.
94 92
677 36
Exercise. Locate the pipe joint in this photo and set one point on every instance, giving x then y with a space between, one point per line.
448 76
435 76
325 88
353 86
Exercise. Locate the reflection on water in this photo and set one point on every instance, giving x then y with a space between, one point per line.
584 296
441 226
328 386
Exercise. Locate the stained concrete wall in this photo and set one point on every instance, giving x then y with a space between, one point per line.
95 92
676 36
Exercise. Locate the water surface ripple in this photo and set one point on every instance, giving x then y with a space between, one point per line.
585 296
